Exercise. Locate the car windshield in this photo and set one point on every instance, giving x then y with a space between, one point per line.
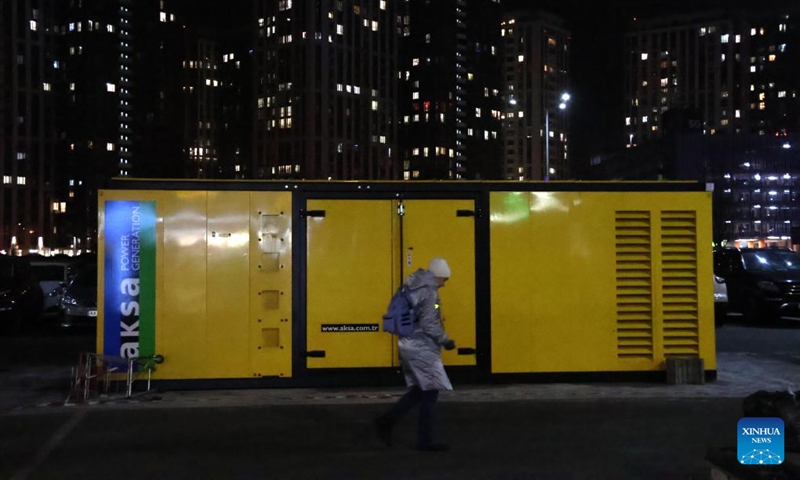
771 261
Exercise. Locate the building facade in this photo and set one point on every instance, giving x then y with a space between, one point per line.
715 97
29 76
450 90
735 69
325 89
536 81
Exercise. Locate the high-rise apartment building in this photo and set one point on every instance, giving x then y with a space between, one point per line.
326 89
145 94
158 94
450 94
731 70
28 80
536 81
733 75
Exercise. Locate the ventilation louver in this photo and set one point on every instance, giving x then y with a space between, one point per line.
634 285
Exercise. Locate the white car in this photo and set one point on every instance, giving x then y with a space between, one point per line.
53 276
720 299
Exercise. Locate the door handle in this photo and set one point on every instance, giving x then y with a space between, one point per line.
467 351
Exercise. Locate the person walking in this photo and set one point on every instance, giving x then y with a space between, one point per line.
421 357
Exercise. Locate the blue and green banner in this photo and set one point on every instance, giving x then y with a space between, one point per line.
130 279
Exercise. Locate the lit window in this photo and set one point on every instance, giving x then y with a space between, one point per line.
644 56
521 58
110 87
109 147
33 25
375 105
7 179
162 16
46 86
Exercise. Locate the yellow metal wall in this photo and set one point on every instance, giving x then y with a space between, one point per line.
211 317
580 281
560 296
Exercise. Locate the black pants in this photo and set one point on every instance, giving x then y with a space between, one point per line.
426 401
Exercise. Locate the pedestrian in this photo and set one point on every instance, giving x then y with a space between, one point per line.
421 358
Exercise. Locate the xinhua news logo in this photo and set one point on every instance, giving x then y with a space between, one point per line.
760 441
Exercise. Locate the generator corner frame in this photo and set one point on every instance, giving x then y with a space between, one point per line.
270 283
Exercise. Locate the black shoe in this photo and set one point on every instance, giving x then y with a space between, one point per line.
433 447
384 429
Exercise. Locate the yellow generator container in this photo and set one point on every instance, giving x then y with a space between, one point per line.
284 283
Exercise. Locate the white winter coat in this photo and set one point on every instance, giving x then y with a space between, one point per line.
421 352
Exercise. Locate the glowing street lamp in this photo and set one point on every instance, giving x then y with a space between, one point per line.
562 105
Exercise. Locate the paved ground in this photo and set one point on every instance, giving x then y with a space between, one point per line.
549 431
739 374
536 439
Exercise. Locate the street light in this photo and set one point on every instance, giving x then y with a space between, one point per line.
562 105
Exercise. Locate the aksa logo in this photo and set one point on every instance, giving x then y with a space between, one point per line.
760 441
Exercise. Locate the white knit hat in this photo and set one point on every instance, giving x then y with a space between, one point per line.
439 268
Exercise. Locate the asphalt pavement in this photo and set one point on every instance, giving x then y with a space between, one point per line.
549 431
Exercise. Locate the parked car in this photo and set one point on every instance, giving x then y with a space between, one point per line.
763 283
720 299
54 274
21 299
79 301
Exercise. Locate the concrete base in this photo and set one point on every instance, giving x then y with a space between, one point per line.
682 371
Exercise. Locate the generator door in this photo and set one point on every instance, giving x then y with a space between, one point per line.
350 262
446 228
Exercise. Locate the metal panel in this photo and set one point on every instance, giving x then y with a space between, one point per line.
436 228
270 284
180 320
227 280
552 285
349 282
561 261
